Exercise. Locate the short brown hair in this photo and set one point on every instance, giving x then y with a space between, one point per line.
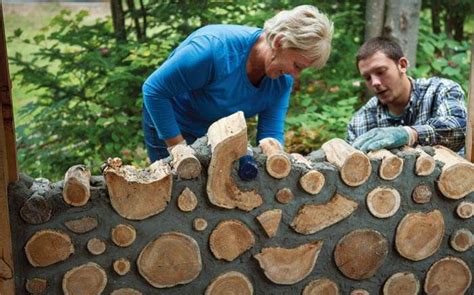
388 46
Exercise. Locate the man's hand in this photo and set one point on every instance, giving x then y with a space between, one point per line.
380 138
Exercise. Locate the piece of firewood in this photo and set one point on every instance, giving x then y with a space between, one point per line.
123 235
419 235
171 259
391 166
81 225
5 270
284 195
457 175
354 165
449 275
465 210
270 221
184 162
425 164
312 218
89 278
36 210
187 200
138 194
278 163
383 201
289 266
232 282
199 224
228 140
360 292
36 286
47 247
96 246
360 253
126 291
321 286
399 283
422 194
462 240
77 189
312 180
121 266
230 239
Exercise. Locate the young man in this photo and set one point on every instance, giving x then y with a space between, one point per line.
404 111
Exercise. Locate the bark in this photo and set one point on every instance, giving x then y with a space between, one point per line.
230 239
96 246
465 210
390 167
270 221
89 278
48 247
449 275
278 163
374 18
401 283
383 202
321 286
118 20
232 282
123 235
187 200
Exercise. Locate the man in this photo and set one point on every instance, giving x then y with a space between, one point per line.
404 111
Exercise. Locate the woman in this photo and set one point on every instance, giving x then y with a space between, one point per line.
221 69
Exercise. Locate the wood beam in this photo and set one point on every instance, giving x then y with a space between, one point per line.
470 111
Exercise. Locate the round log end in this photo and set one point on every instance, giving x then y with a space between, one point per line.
391 167
36 286
401 283
425 165
278 165
383 202
126 291
360 292
199 224
462 240
88 278
96 246
457 180
421 194
284 196
465 210
121 266
123 235
232 282
321 286
189 168
187 200
312 182
230 239
449 275
47 247
356 169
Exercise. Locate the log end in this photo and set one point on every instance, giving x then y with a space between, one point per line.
356 169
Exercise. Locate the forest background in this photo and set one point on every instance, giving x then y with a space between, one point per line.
77 79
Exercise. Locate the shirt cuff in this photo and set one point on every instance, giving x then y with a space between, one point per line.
426 134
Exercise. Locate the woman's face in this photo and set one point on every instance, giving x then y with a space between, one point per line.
285 61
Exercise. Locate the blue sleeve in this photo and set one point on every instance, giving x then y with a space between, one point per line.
190 67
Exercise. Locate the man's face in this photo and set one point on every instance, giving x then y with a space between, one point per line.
285 61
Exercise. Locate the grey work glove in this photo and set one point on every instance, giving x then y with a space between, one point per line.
382 138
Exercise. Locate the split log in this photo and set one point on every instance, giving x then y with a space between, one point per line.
391 166
230 239
171 259
184 162
359 254
457 175
77 189
449 275
228 140
289 266
126 291
82 225
36 210
278 163
419 235
36 286
121 266
312 180
138 194
465 210
270 221
383 202
199 224
462 240
425 164
312 218
232 282
6 272
96 246
360 292
47 247
401 283
421 194
321 286
123 235
284 195
89 278
187 200
354 165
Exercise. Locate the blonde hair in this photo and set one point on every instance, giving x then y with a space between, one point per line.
303 28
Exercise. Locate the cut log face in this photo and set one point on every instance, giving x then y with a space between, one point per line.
354 165
88 278
457 175
383 202
465 210
359 254
289 266
82 225
425 164
270 221
232 282
228 140
312 182
171 259
313 218
449 275
402 283
36 286
360 292
36 210
187 200
284 195
5 270
123 235
390 167
321 286
185 163
462 240
48 247
422 194
96 246
77 189
126 291
199 224
278 163
138 194
121 266
419 235
230 239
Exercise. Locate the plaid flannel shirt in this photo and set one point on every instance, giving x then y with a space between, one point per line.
436 111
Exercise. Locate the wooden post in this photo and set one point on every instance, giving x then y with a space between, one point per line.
470 111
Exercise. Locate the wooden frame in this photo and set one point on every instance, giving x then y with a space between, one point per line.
470 111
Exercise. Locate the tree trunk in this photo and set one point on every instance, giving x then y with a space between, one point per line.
118 19
136 20
374 17
435 20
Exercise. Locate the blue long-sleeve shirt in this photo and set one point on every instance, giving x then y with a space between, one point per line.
205 79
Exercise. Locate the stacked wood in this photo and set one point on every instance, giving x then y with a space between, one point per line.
359 254
449 275
81 225
36 285
383 202
228 140
312 180
96 246
199 224
184 162
401 283
47 247
230 239
354 165
462 240
121 266
289 266
77 189
232 282
123 235
171 259
187 200
419 235
421 194
425 164
138 194
321 286
6 272
391 166
36 210
270 221
465 210
88 278
278 163
126 291
312 218
284 195
457 175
